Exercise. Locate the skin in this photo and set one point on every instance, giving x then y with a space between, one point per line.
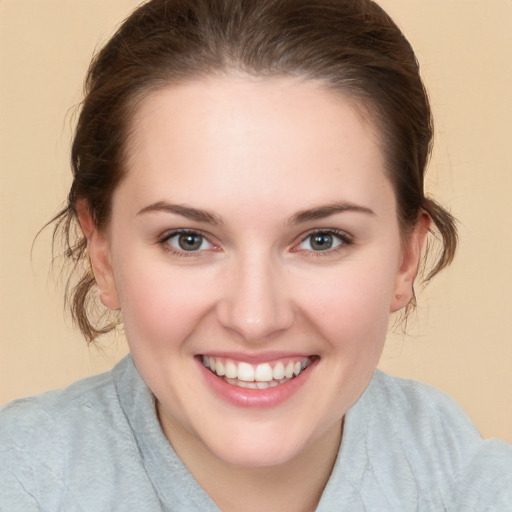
254 154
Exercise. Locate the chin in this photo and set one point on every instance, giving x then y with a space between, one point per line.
262 444
256 455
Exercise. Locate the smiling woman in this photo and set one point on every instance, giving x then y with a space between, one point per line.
252 269
248 192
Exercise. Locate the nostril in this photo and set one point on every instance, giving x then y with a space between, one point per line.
255 328
254 302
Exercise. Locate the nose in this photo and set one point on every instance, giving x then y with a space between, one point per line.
255 302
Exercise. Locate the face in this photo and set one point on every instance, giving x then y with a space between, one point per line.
255 253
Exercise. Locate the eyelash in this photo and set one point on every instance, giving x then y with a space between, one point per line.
344 240
164 242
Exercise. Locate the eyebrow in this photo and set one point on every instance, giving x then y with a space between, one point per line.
324 211
319 212
185 211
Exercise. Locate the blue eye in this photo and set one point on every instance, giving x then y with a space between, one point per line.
323 241
187 241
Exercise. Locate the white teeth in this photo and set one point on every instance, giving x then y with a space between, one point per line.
245 372
255 385
278 372
264 373
261 376
231 370
244 384
220 370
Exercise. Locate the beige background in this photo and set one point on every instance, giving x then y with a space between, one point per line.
461 338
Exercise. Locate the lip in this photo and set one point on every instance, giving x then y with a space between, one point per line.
255 398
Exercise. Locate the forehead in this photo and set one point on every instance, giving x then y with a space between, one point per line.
269 139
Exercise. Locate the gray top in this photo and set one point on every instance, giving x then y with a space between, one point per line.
98 446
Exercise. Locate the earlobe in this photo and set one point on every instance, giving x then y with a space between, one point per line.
404 291
99 254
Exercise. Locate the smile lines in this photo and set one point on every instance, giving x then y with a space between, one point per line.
261 376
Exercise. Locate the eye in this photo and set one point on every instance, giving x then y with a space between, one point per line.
186 241
324 240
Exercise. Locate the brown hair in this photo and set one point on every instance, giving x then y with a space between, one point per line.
351 45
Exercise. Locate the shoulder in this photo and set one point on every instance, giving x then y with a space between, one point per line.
486 482
445 455
416 407
51 441
44 427
39 419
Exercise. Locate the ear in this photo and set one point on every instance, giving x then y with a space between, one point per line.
404 291
99 253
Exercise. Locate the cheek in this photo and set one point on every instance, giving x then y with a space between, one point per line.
161 307
351 306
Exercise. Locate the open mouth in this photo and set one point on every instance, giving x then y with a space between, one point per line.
257 376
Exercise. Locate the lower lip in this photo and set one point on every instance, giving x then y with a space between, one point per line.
255 398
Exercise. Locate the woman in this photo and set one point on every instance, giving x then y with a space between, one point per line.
248 182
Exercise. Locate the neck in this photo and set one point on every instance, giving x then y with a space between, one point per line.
294 486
